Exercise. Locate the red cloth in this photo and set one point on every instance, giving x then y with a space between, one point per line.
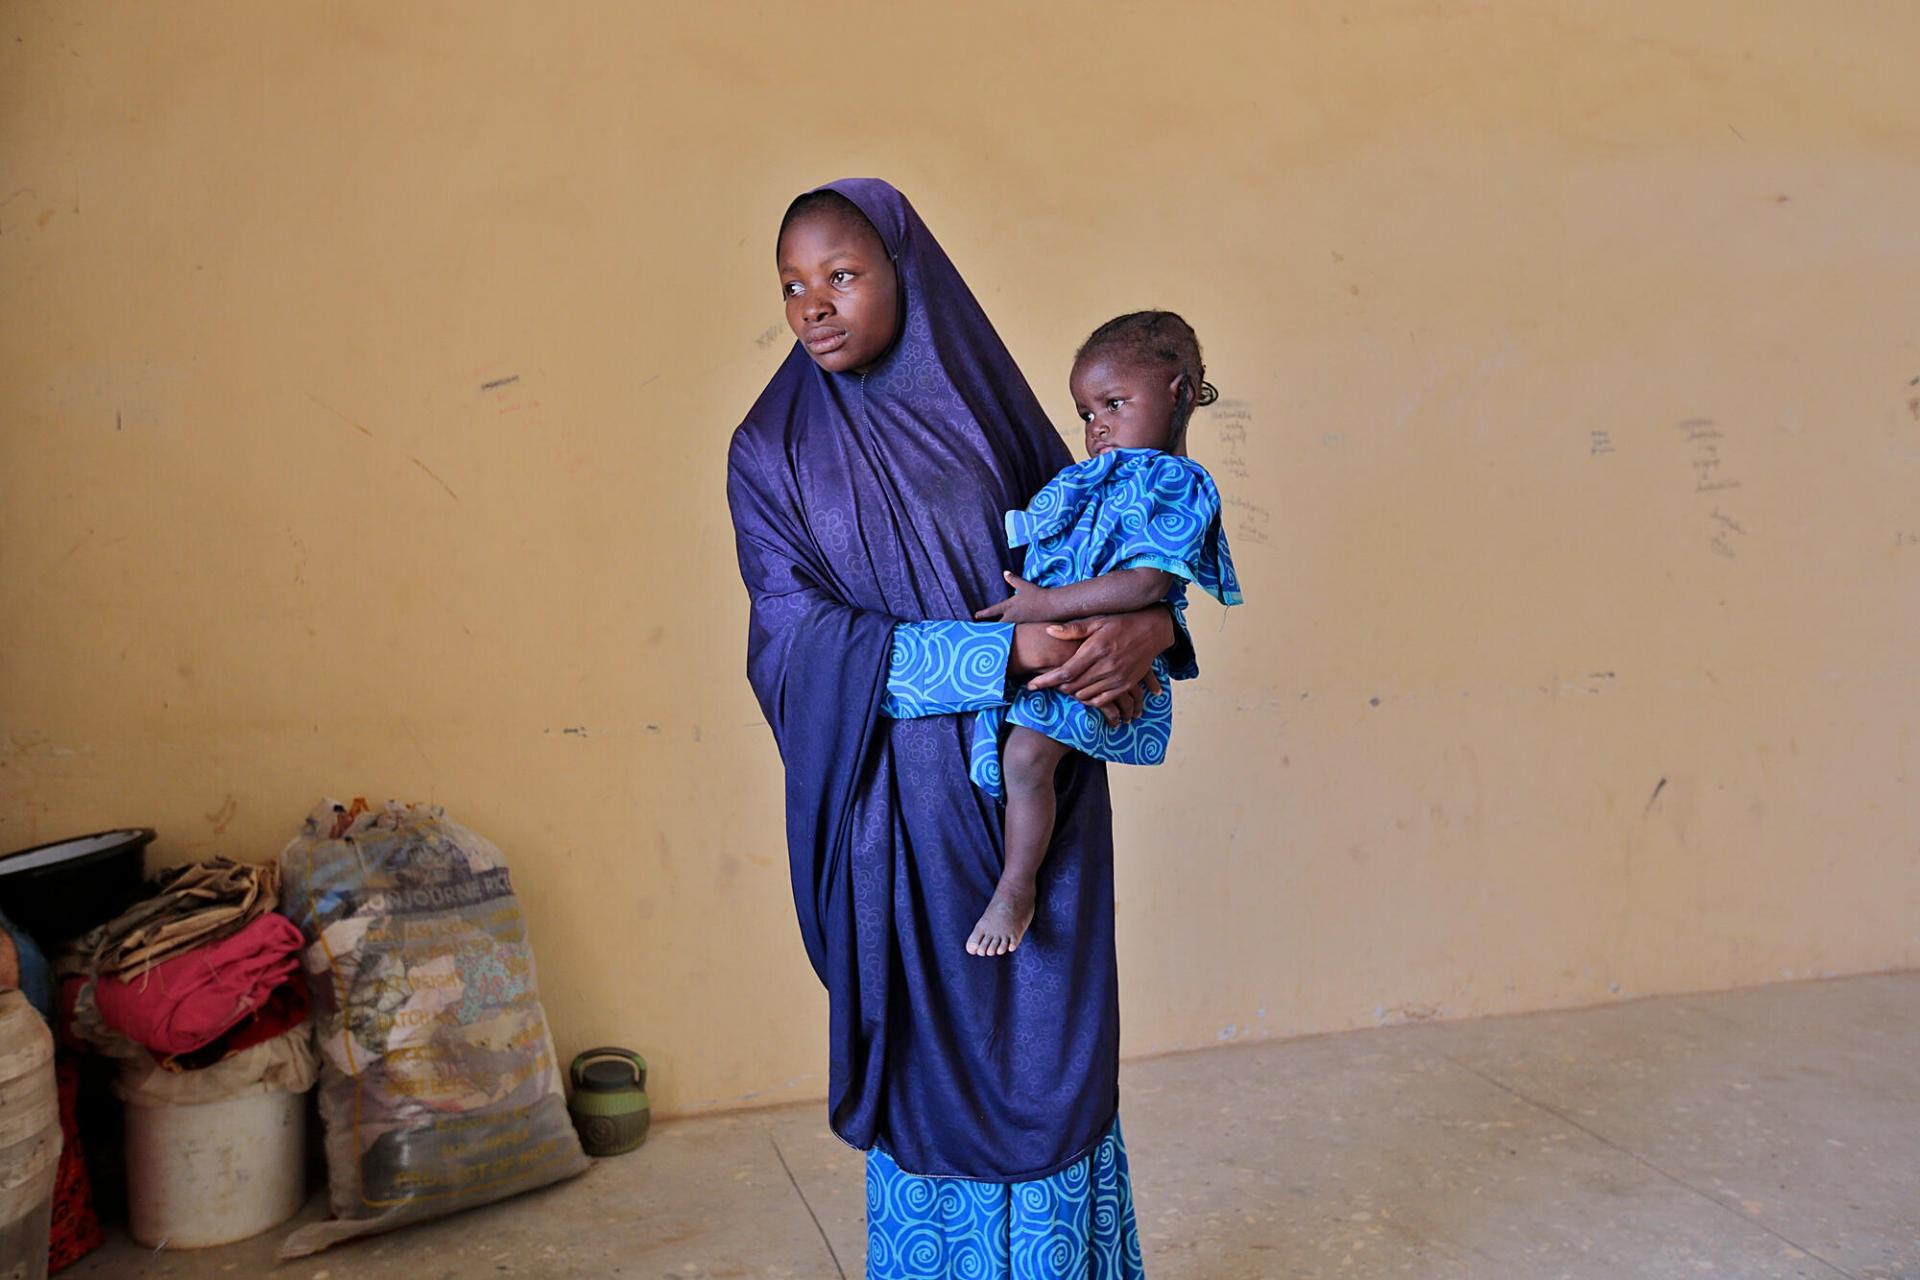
195 997
76 1227
284 1010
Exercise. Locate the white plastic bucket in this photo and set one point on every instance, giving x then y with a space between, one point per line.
215 1172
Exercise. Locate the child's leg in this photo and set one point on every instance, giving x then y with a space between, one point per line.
1027 765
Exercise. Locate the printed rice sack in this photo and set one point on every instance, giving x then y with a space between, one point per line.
439 1087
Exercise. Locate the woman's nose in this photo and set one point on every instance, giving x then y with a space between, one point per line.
816 308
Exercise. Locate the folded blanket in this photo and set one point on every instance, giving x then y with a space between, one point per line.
192 999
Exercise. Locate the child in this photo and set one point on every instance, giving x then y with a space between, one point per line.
1123 530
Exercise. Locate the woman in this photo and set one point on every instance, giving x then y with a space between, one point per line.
867 486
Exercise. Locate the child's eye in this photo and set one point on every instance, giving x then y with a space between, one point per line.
1115 403
841 277
790 288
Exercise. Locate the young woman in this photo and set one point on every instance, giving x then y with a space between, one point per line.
867 486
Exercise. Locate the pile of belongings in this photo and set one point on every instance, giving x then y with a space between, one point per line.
196 988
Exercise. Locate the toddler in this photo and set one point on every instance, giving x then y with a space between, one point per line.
1127 528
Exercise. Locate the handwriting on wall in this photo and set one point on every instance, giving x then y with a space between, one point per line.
1233 422
1251 521
1706 456
507 392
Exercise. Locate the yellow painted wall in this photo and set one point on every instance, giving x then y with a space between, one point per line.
1466 273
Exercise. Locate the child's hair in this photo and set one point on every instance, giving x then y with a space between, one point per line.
1159 340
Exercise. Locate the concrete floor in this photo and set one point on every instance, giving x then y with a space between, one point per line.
1772 1132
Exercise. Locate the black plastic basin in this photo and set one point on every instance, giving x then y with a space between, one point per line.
59 891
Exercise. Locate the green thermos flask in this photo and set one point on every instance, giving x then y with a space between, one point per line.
609 1106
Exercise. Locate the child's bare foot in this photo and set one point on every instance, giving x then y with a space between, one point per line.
1004 922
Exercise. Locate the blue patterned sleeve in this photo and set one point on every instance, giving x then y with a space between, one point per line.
1173 523
941 667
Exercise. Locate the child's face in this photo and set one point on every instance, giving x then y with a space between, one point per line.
842 296
1123 406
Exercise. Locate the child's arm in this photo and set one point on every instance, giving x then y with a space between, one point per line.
1121 591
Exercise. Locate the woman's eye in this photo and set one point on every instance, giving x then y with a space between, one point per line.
790 288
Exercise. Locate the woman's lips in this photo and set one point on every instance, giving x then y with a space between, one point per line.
821 343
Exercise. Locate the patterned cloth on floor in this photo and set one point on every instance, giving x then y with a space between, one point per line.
1075 1225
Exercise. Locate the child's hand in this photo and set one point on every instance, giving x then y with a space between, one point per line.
1026 604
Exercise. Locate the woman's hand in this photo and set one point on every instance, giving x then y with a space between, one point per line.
1114 662
1034 652
1035 649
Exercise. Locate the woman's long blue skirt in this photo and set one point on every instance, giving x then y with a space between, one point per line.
1075 1225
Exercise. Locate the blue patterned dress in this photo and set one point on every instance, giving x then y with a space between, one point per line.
1074 1224
1122 509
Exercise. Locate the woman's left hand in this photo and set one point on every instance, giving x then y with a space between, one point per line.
1115 656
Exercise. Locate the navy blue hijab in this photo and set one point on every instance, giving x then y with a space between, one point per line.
860 501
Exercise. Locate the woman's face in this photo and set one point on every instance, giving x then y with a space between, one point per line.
842 295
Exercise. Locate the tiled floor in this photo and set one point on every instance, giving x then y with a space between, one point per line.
1772 1132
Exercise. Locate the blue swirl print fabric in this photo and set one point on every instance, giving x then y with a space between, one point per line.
942 667
1122 509
1077 1224
946 667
